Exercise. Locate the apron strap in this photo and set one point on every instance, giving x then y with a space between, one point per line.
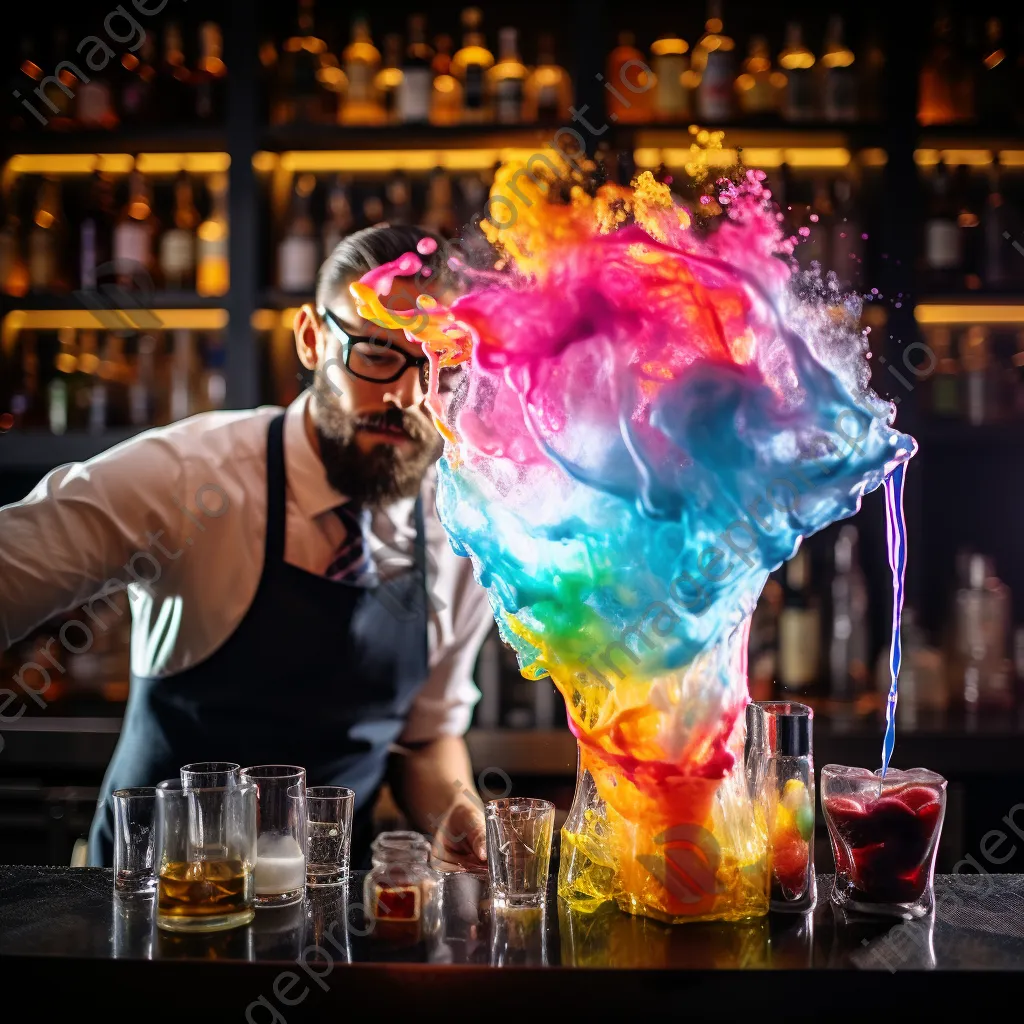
276 495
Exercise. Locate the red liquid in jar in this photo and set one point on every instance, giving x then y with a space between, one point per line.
884 844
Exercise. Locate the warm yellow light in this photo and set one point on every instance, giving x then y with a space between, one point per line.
762 156
647 156
817 156
383 160
263 319
874 157
668 47
1011 157
953 157
194 163
116 163
966 313
264 162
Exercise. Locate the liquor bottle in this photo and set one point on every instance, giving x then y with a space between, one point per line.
714 58
339 220
21 86
13 269
94 104
24 399
96 232
846 247
372 209
629 87
63 95
174 81
982 631
470 65
181 375
299 91
996 84
871 79
944 382
298 253
548 93
816 248
839 92
138 94
210 74
965 85
446 91
213 275
109 406
849 651
508 79
58 392
669 62
398 193
361 104
417 75
759 88
213 385
799 626
134 236
178 244
439 215
142 388
996 251
968 221
388 80
85 401
980 380
800 100
940 72
941 233
47 241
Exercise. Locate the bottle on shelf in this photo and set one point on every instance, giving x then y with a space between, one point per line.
871 78
138 93
941 69
96 232
174 80
969 222
13 268
446 90
109 408
86 399
21 86
62 94
669 62
981 378
398 193
305 89
816 248
142 387
178 244
799 658
800 99
213 386
849 650
417 75
839 88
134 236
210 75
339 221
629 89
508 79
213 275
372 209
470 65
997 254
361 104
47 241
298 253
439 215
94 104
548 91
714 59
58 392
965 85
996 79
181 376
944 382
982 637
846 246
25 401
942 240
759 88
388 80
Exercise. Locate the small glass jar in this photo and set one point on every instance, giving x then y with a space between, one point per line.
398 890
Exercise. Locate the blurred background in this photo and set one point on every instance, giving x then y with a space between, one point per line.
224 147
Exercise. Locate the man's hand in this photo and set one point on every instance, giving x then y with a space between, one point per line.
460 838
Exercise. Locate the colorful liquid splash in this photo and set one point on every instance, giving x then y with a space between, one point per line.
644 416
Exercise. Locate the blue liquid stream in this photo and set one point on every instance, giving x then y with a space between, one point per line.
896 535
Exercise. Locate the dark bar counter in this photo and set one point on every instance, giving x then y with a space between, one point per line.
70 943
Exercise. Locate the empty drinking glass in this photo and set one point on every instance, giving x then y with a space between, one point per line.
135 841
519 849
329 812
210 774
281 833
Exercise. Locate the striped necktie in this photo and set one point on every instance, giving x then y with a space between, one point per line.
353 563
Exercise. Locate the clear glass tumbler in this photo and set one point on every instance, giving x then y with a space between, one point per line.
329 811
135 841
210 774
885 835
206 853
519 849
281 833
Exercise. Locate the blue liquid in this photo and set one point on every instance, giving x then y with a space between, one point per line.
896 535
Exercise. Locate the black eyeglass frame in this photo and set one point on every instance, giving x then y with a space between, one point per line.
422 363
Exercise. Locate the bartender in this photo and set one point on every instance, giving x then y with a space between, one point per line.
294 598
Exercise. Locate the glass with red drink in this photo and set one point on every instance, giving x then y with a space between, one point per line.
885 834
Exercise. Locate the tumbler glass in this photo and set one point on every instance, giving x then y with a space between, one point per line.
135 841
206 852
281 833
329 812
519 849
209 774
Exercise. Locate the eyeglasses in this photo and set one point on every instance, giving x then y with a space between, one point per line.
375 359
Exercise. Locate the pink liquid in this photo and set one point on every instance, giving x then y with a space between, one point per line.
885 845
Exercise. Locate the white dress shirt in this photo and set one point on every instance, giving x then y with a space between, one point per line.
179 514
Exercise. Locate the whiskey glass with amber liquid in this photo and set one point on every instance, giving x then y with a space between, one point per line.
206 843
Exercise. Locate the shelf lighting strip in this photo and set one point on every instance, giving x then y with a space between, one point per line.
115 163
968 157
968 313
385 160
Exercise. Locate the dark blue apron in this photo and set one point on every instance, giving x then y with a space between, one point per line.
318 673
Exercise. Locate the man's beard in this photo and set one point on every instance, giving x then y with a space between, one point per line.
388 471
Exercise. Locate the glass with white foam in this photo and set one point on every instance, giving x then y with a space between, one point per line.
329 811
280 874
519 850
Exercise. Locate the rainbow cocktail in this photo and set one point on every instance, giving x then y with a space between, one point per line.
643 418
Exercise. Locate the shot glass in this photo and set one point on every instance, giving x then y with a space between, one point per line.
135 841
280 834
209 774
329 812
206 853
885 835
518 850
